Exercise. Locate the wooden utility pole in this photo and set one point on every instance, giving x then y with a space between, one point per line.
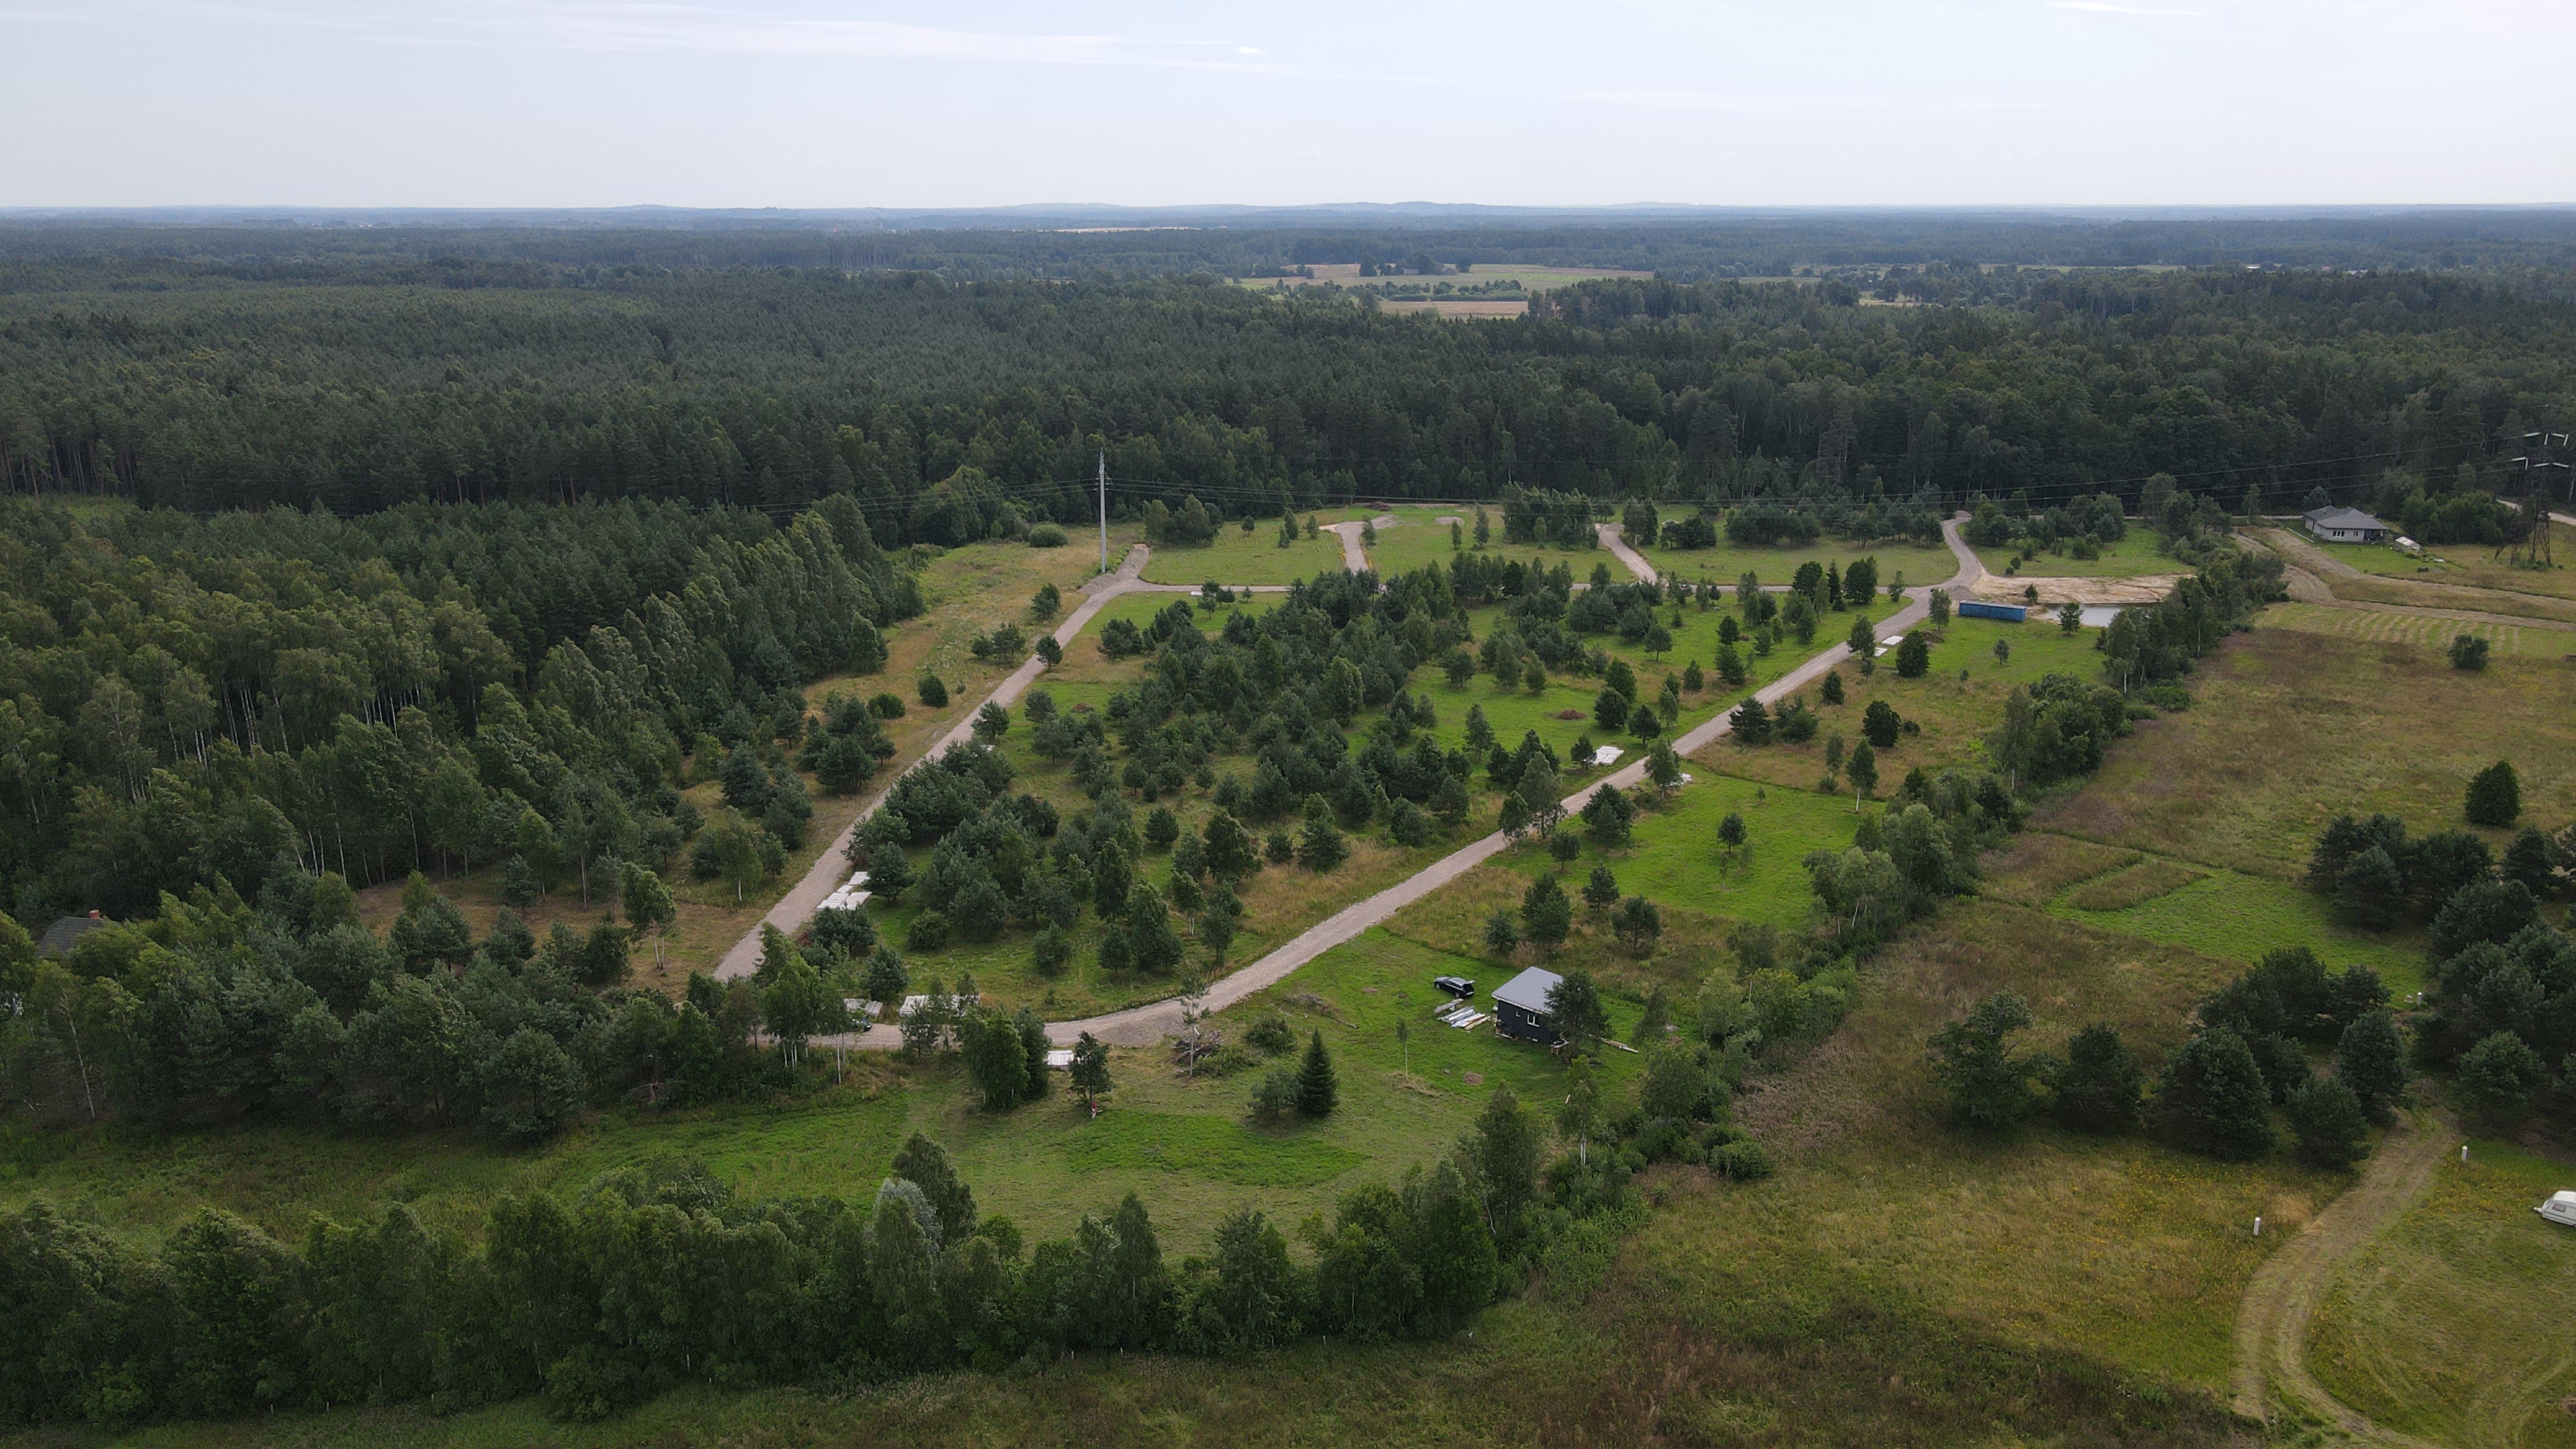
1104 512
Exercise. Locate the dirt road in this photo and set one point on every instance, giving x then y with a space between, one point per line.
830 868
1615 538
2272 1323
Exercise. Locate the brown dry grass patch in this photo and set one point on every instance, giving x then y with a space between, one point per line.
2289 729
2133 885
2036 867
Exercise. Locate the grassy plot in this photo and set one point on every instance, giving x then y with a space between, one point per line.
1237 557
2452 1325
2232 915
1675 861
1421 538
1954 716
2289 729
2430 631
2131 557
1778 564
2471 565
2116 1248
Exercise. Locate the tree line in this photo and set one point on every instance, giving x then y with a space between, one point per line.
660 1276
255 696
948 409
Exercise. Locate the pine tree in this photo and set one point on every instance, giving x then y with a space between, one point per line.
2327 1119
1090 1068
2213 1098
2098 1089
1317 1088
2495 796
2371 1060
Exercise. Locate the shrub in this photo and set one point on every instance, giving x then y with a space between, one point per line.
2468 652
932 692
1913 656
2326 1118
1051 952
1881 724
2495 796
1742 1160
2213 1098
1046 535
2499 1074
1276 1097
1270 1033
2098 1089
929 932
886 706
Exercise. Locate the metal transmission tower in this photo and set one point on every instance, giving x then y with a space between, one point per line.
2540 472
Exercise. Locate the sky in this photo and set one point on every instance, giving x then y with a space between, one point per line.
803 103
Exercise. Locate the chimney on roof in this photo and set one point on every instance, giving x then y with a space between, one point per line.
93 915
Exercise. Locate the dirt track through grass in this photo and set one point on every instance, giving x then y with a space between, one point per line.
2272 1324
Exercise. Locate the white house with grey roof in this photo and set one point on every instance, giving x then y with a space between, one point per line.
2346 525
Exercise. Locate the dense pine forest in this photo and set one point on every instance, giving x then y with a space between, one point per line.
942 407
185 702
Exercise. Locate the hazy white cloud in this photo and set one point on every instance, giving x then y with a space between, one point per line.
989 102
2103 7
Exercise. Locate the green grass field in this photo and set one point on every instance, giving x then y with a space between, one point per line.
2235 916
1727 562
2425 630
1237 557
2289 729
1422 539
2470 565
2452 1326
1954 716
2132 556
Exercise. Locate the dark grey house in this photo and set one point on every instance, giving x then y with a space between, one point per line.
63 935
1520 1006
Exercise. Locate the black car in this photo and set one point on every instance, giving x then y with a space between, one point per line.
1458 986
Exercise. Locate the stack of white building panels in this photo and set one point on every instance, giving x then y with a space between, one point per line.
849 897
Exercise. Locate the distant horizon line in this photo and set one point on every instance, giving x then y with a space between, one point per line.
1241 211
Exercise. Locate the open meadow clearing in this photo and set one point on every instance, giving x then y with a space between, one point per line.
1421 537
1776 564
2289 729
2451 1326
1235 556
2133 554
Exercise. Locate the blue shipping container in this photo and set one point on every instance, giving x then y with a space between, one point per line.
2012 612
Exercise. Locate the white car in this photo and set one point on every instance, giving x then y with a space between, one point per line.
2561 1208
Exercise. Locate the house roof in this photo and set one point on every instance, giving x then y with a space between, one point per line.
2344 518
62 935
1529 990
